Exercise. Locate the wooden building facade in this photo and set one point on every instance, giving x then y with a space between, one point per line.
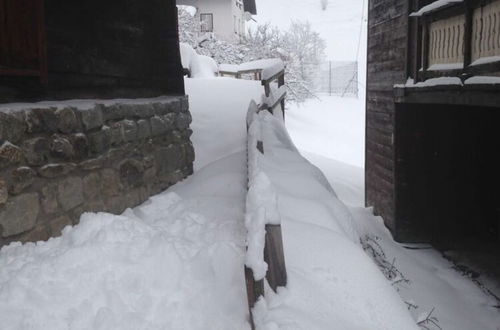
433 107
61 49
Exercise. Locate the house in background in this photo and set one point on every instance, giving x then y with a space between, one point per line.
433 108
224 18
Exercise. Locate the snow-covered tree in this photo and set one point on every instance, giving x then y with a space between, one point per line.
300 48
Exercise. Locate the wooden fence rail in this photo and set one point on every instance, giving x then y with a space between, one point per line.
273 97
274 256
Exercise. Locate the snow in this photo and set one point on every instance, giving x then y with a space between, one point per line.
441 81
269 67
219 124
436 5
458 303
446 66
187 55
338 126
482 80
343 25
203 67
200 66
274 96
83 104
486 60
330 279
172 262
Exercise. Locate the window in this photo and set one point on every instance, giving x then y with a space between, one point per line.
207 22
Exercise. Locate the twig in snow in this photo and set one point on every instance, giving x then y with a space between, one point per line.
429 322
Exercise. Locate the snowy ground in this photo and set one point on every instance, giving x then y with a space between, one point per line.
330 134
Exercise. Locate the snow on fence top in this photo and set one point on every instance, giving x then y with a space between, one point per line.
436 5
261 203
268 67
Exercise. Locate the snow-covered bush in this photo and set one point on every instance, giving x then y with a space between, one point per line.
300 48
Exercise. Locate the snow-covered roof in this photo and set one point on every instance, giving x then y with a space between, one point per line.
436 5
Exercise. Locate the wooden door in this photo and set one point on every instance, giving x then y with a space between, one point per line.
22 39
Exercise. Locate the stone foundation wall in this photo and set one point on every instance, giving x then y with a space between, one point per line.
56 163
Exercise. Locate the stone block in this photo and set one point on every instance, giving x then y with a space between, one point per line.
36 151
10 155
70 193
22 178
186 134
116 204
143 129
129 130
56 170
48 199
183 120
184 104
131 172
33 121
176 137
94 163
188 152
174 105
4 192
37 234
19 214
168 159
61 147
80 145
92 118
118 112
99 141
143 110
46 120
91 186
12 127
110 183
56 225
66 120
158 126
116 134
160 109
170 120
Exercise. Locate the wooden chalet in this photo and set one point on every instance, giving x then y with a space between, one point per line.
433 108
61 49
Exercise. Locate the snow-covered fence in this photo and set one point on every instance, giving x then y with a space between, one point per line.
338 78
271 72
265 255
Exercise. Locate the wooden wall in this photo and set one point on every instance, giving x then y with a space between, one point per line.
387 51
112 48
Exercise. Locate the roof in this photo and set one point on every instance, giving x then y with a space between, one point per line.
250 6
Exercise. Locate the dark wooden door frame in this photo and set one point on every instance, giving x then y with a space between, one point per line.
41 40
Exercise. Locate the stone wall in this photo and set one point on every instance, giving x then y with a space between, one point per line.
56 163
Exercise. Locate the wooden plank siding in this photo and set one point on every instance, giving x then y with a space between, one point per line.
387 52
104 49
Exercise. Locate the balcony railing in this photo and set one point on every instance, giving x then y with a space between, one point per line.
460 38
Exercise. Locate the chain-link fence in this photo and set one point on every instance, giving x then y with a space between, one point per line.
339 78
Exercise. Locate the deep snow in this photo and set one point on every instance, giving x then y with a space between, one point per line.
458 303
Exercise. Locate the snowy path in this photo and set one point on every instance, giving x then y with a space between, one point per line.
175 262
